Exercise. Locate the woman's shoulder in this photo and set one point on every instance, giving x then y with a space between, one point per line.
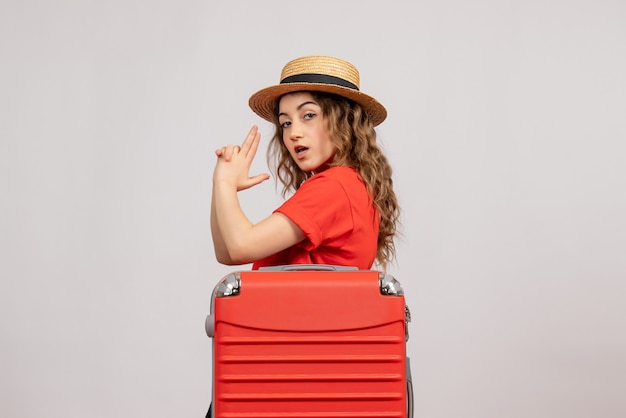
339 177
339 172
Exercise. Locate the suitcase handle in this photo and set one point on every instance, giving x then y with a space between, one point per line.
308 267
409 390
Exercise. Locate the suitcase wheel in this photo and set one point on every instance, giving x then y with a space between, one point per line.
209 326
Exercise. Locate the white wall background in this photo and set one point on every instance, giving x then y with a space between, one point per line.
506 130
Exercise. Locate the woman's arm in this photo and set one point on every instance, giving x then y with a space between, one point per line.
236 240
221 252
243 241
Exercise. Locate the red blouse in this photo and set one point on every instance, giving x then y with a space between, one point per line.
338 218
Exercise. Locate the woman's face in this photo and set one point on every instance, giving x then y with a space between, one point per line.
304 131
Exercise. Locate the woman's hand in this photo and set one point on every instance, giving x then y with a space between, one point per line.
236 240
234 161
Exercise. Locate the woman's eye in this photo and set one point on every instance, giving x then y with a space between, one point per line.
309 115
285 124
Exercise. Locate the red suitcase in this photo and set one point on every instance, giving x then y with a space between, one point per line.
309 341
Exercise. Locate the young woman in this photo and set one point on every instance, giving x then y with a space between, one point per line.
343 210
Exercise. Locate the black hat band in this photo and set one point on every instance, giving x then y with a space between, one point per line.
318 79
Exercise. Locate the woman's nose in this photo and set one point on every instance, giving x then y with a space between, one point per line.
293 136
294 131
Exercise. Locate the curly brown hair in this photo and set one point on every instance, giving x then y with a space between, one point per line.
354 137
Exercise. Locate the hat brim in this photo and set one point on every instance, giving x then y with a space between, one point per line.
263 102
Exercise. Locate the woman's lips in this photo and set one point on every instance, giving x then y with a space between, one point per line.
300 152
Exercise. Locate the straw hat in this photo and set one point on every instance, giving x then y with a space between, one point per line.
317 73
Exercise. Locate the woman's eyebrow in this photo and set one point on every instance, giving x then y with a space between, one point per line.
300 106
306 103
